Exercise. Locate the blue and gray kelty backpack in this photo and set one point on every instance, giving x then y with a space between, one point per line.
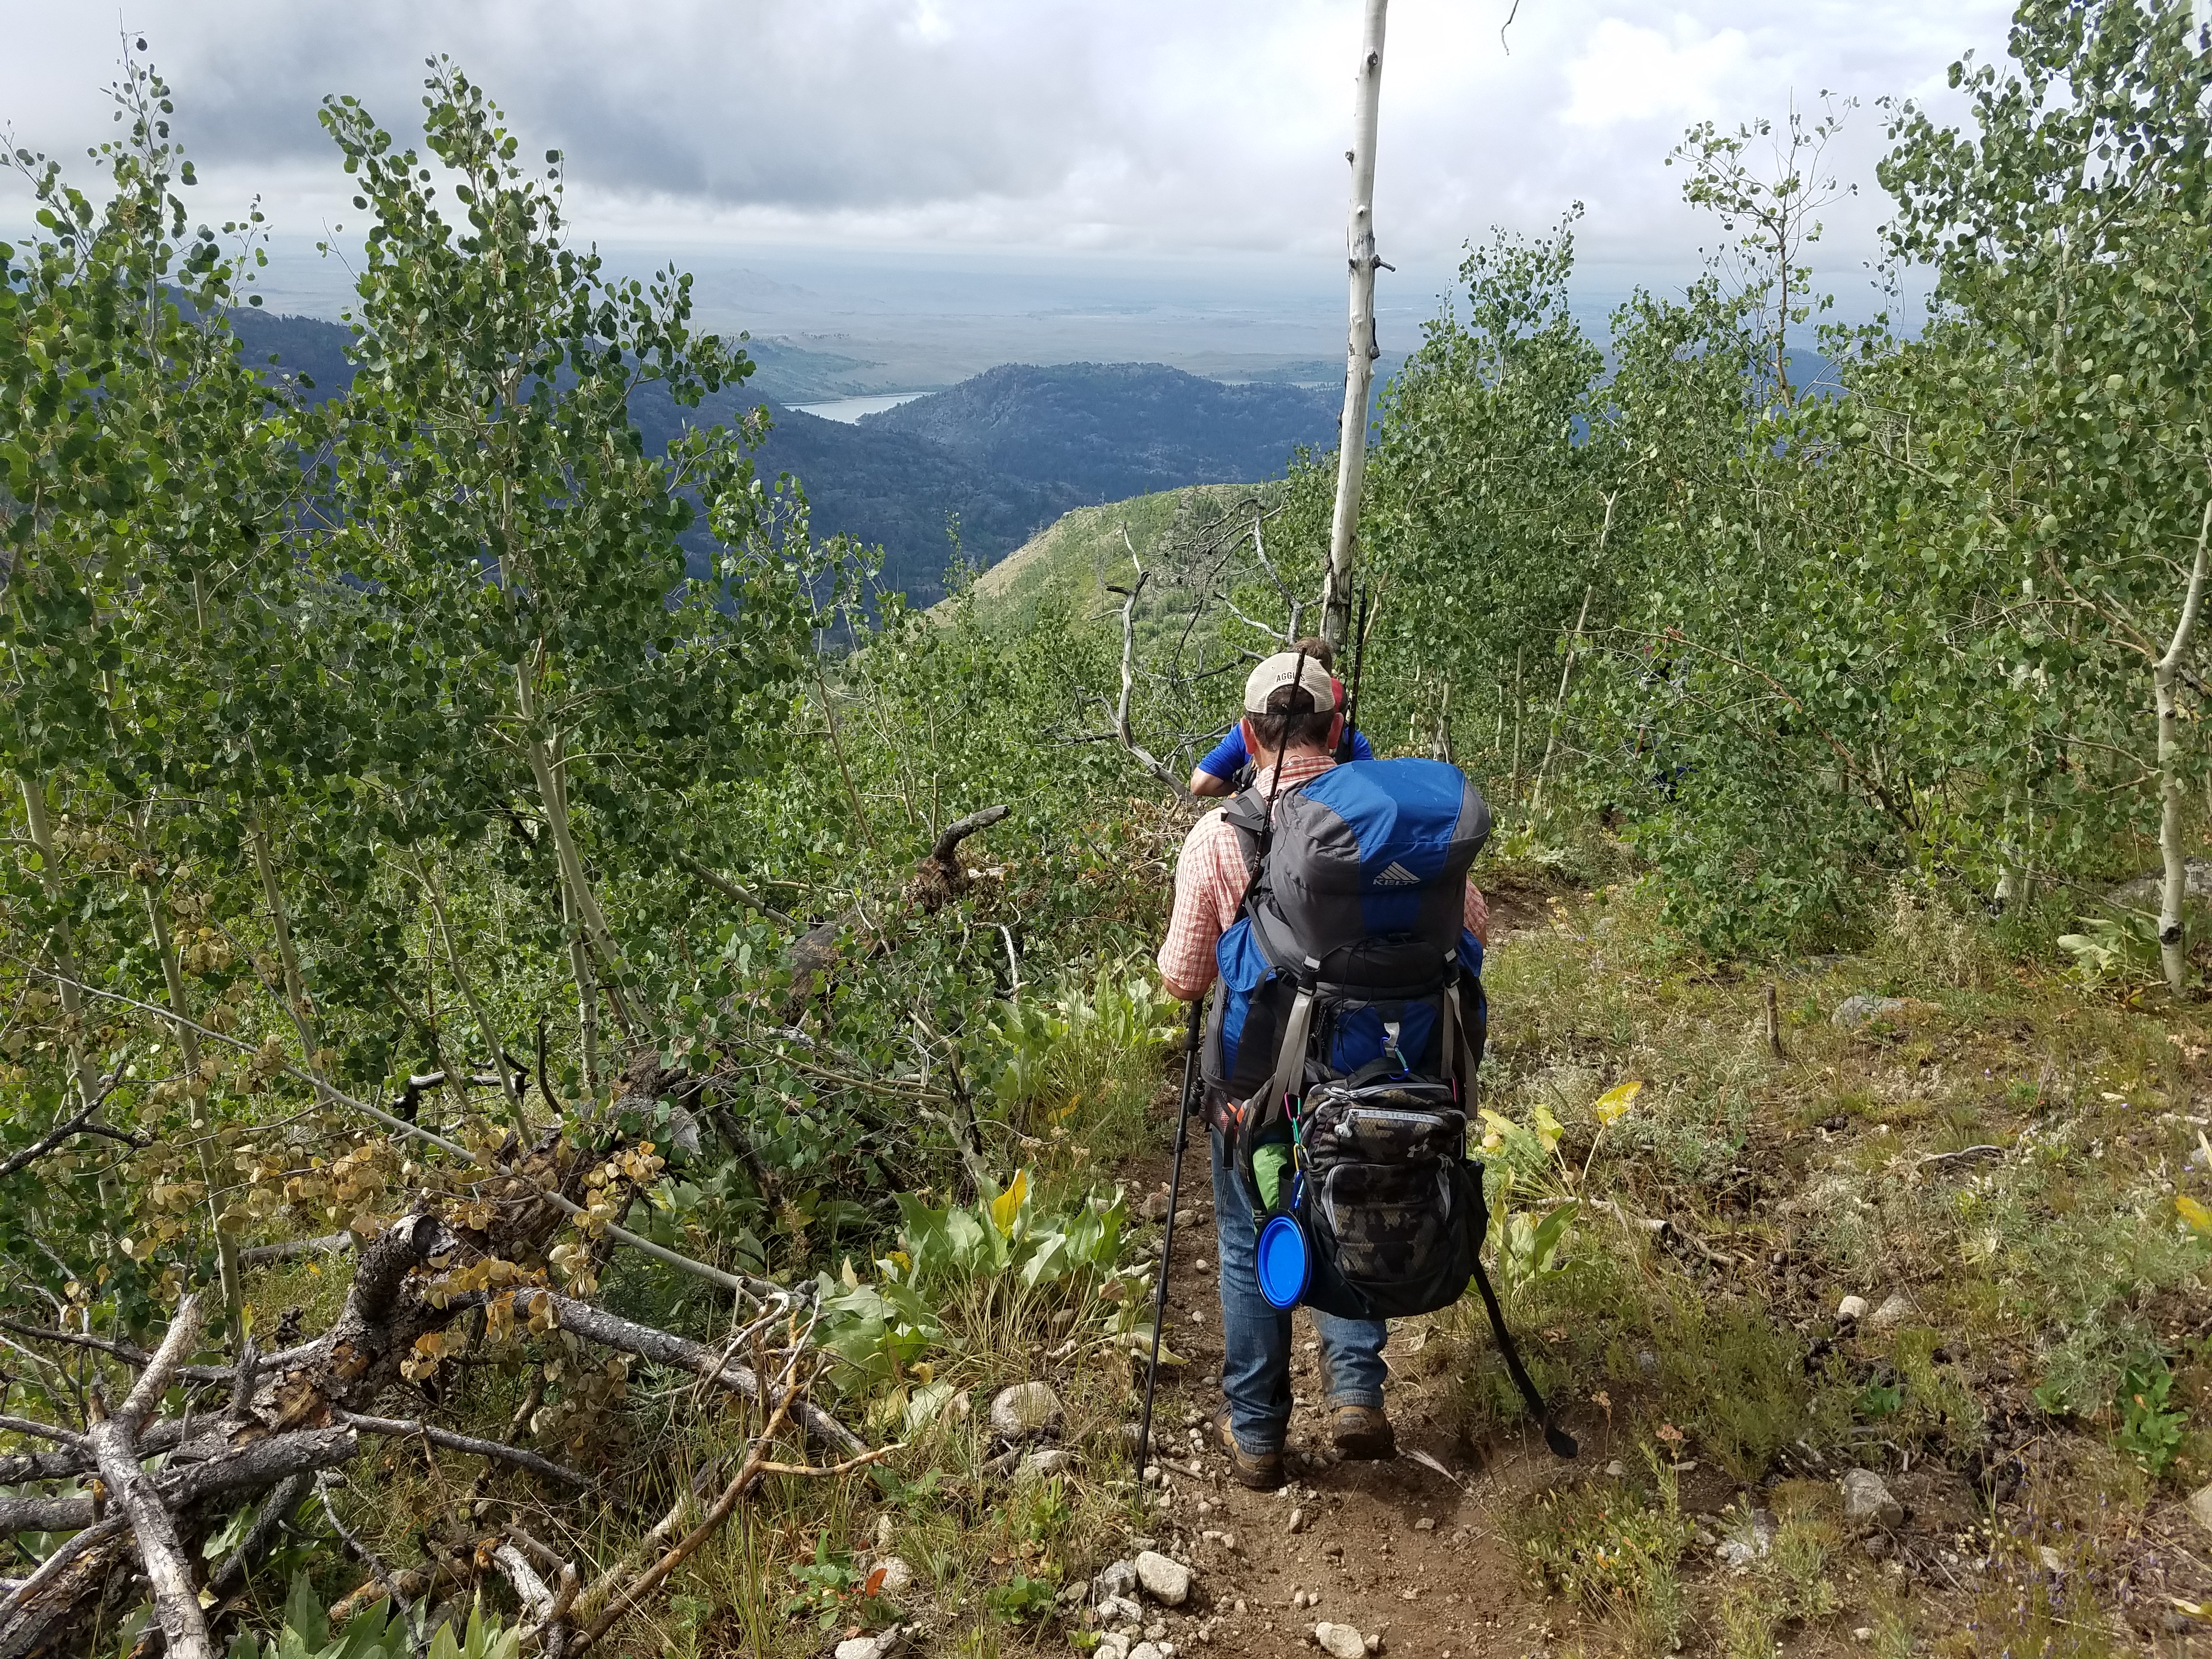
1346 1032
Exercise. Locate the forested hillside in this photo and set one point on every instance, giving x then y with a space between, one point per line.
577 1076
991 461
1119 429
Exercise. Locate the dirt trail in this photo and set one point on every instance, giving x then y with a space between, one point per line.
1391 1547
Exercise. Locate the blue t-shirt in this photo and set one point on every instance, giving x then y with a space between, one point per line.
1228 756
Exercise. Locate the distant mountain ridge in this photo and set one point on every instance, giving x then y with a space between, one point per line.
1117 429
1005 453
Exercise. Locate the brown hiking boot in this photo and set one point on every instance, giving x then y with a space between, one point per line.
1361 1431
1260 1471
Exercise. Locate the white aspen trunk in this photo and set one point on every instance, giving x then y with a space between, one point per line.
554 798
280 922
188 1046
1360 349
42 837
587 1000
1560 702
485 1029
2173 955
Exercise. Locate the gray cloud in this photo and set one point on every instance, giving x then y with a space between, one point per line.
1142 126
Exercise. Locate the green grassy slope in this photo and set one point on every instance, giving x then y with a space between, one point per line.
1073 558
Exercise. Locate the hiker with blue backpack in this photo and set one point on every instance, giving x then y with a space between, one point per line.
1226 767
1329 907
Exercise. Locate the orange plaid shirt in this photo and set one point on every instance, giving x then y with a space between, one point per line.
1210 879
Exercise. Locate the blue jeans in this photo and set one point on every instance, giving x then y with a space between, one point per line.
1255 1361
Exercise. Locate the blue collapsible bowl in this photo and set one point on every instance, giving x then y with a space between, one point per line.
1283 1261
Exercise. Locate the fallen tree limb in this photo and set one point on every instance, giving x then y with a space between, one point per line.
45 1599
112 1440
403 1586
730 890
666 1348
529 1589
847 1466
408 1428
264 1427
44 1514
379 1576
39 1430
74 1458
711 1522
253 1467
960 829
255 1256
230 1577
139 1359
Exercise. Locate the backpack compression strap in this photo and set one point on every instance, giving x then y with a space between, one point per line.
1290 1076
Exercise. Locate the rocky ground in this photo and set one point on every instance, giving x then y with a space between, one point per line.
2030 1546
1853 1285
1410 1555
1358 1556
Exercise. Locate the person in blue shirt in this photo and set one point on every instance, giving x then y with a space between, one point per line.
1219 773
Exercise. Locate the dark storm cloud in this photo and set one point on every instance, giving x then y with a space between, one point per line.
840 104
1172 125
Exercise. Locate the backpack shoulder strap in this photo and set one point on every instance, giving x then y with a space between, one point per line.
1247 814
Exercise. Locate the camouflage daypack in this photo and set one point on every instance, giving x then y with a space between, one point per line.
1350 1020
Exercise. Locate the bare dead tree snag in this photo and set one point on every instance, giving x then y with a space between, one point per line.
1361 348
941 877
1123 730
2173 949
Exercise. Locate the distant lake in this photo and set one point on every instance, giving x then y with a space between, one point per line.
849 410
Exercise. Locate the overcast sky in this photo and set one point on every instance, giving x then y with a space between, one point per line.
1133 127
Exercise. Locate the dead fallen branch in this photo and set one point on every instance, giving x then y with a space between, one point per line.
789 1391
259 1255
253 1467
230 1577
666 1348
522 1577
137 1358
113 1440
44 1603
380 1576
408 1428
267 1430
847 1466
730 890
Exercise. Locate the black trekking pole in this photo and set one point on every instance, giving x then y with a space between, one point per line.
1561 1443
1167 1239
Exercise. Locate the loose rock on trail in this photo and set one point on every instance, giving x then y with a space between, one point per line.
1361 1563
